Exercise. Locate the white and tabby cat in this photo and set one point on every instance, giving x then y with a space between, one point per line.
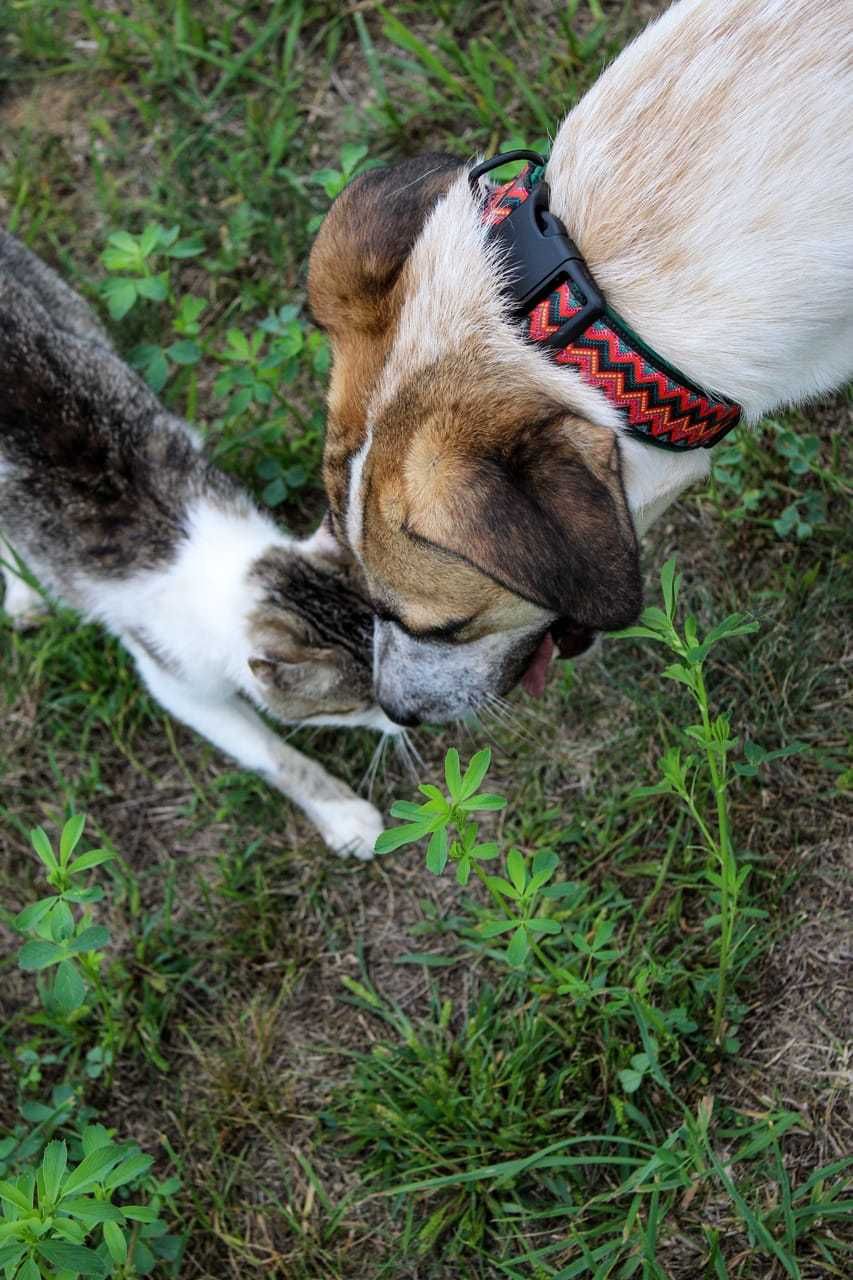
112 504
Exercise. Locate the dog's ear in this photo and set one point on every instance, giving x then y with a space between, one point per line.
366 237
355 264
546 516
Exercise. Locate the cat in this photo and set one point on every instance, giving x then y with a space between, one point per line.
111 503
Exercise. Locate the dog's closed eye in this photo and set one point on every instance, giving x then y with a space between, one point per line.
447 631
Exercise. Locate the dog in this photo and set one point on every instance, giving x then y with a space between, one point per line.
494 492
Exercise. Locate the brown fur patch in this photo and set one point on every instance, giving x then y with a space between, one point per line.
353 275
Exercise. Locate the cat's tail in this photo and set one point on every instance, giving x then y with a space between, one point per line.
67 310
61 389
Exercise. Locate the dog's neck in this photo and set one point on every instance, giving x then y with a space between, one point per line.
448 310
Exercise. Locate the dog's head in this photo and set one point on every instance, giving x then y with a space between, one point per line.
487 511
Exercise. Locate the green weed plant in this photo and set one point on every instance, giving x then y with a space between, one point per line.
64 1199
64 1218
458 1116
258 369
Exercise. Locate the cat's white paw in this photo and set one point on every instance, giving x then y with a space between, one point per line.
350 827
25 608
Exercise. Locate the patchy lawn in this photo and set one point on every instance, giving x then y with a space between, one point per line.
274 1044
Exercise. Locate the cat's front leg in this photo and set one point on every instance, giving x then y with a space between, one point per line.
348 824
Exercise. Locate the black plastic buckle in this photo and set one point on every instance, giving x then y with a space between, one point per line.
503 157
540 256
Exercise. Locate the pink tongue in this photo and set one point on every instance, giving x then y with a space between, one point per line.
533 680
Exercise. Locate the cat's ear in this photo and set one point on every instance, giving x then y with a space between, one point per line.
288 668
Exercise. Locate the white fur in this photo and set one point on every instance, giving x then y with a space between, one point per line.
193 602
458 298
746 284
23 604
186 615
355 503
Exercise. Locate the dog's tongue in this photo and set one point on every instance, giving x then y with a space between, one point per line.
533 680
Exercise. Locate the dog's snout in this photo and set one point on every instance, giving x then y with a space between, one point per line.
400 715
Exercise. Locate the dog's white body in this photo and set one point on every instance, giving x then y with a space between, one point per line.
708 178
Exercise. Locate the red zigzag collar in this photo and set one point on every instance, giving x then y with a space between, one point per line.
658 403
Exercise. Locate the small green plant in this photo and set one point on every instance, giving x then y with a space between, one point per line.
141 270
65 947
517 895
259 368
64 1218
65 1181
705 771
258 372
803 512
138 259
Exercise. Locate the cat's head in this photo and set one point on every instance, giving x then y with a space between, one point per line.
311 637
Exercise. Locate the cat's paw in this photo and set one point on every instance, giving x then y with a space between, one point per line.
23 606
350 828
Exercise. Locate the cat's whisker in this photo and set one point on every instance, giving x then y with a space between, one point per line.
497 707
413 749
388 740
369 780
407 754
484 728
523 711
497 714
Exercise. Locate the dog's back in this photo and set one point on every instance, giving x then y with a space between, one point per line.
707 177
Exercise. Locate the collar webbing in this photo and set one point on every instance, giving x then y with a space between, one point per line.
658 403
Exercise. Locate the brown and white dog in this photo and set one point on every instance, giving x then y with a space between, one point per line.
495 498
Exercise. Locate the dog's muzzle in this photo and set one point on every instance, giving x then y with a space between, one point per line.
434 681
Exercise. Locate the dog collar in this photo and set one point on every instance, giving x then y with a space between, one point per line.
562 308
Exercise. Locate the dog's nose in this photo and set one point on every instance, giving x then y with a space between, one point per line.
400 715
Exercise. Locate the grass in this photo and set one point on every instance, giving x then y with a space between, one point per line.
333 1105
